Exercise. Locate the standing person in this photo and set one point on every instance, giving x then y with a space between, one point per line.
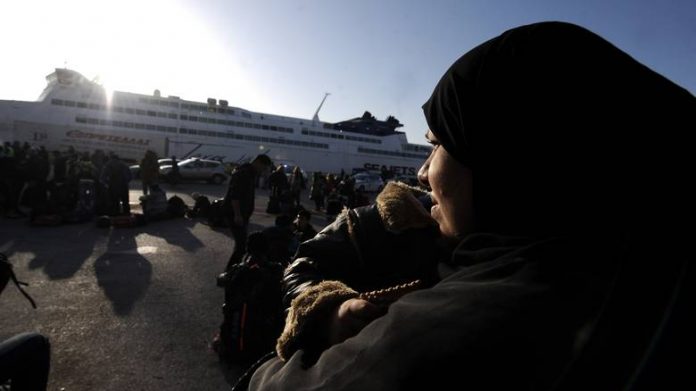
12 178
149 171
330 184
239 201
297 184
98 159
175 175
116 176
317 190
570 261
59 167
278 185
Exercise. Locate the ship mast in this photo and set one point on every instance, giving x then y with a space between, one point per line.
316 114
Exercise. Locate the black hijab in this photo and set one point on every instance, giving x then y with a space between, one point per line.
564 133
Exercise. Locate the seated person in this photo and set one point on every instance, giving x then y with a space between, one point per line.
390 243
561 270
155 204
201 206
282 241
301 226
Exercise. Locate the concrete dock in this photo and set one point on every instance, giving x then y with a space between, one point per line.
126 308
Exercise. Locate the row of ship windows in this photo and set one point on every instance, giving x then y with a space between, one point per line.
124 124
340 136
118 109
235 123
253 138
159 102
170 129
391 153
151 113
187 106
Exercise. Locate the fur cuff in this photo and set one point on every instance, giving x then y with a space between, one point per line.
306 311
400 208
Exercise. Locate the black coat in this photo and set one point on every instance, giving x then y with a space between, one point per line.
504 306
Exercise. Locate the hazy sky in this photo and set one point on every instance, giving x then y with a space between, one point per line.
281 56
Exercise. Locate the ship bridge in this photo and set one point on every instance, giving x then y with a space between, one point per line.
368 124
63 77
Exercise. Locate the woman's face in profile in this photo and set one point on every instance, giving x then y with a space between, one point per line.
451 193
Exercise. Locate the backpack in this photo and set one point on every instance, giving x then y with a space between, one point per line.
155 204
252 312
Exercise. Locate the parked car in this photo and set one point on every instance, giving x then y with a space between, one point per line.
135 169
368 182
197 169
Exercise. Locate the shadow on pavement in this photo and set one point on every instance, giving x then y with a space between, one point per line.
176 232
49 250
123 274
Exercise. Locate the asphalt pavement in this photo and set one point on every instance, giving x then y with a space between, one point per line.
126 308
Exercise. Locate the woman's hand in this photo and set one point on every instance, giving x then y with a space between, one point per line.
349 318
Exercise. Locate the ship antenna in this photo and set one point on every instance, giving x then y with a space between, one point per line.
316 114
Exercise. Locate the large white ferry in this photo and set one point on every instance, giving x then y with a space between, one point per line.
74 111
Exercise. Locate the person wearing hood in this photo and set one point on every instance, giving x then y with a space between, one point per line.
559 185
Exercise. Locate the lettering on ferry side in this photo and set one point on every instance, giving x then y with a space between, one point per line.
105 137
403 170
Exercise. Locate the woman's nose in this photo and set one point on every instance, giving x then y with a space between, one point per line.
423 174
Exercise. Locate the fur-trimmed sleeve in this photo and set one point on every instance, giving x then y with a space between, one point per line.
306 313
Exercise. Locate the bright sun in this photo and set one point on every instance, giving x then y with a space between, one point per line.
130 45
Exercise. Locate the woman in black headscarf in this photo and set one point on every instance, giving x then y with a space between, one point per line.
558 178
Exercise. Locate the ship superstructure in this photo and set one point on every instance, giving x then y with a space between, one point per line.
75 112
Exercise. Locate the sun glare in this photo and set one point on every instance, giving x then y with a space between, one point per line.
108 94
140 46
132 46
